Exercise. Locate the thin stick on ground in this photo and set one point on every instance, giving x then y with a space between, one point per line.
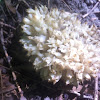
1 23
26 3
84 96
96 88
66 5
8 60
91 9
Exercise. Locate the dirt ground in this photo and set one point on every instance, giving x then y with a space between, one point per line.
18 80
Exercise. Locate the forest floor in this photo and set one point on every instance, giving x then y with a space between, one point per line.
18 80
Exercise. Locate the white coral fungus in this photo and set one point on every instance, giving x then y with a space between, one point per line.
63 47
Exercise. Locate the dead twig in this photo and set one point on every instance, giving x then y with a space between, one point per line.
91 9
97 12
3 11
96 88
66 5
3 67
84 96
26 3
8 89
1 23
9 60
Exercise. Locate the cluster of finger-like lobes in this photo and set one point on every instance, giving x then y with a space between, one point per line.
59 46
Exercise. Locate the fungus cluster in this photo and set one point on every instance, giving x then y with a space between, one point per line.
60 46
